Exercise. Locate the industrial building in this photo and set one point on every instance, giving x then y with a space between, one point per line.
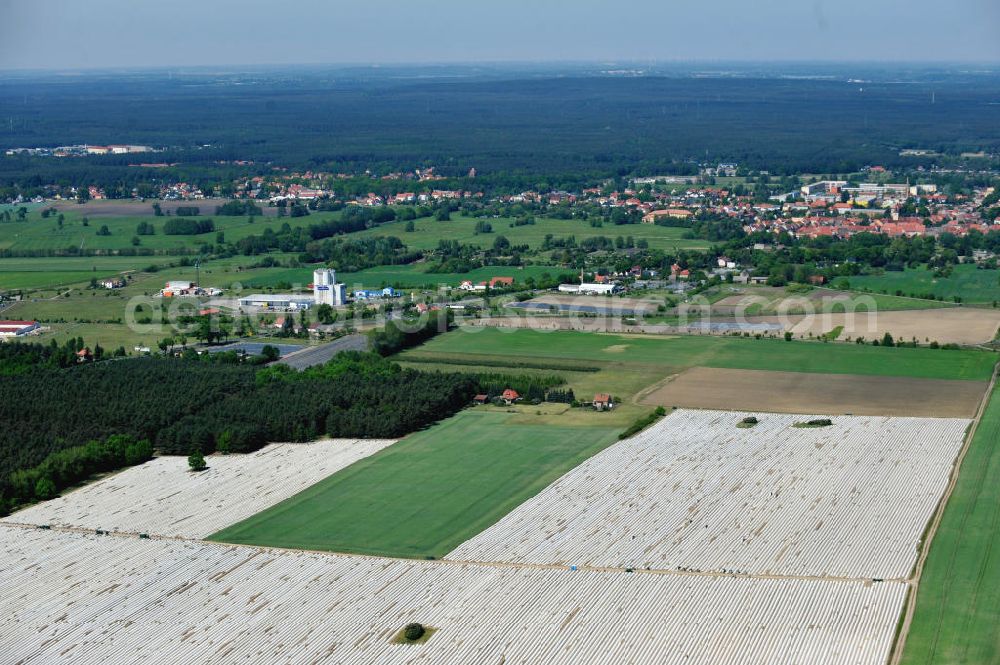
592 289
326 290
278 301
17 328
373 294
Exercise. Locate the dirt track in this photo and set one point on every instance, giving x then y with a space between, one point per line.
833 394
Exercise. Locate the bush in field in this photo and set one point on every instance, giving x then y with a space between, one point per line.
643 423
197 461
817 422
413 631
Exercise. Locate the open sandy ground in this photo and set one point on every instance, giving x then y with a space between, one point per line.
609 303
958 325
800 392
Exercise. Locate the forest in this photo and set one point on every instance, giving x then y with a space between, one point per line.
546 130
182 405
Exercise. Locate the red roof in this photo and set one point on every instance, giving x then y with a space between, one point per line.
602 398
510 394
19 324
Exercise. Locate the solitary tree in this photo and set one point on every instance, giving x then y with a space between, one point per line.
197 461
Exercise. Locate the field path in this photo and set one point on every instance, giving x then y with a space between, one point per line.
484 564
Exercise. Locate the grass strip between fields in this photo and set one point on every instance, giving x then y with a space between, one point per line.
957 614
426 494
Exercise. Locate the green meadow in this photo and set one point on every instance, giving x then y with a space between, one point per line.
716 351
971 284
426 494
428 231
38 233
958 604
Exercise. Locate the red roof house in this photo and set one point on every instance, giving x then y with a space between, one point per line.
510 396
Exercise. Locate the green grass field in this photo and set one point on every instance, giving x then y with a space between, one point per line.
54 273
37 233
427 232
957 615
971 284
48 273
428 493
722 352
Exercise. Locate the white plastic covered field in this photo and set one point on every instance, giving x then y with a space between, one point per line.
162 497
87 599
697 492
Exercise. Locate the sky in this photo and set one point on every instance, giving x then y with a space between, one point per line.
79 34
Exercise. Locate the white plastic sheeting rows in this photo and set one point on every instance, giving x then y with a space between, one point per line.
86 599
694 491
162 497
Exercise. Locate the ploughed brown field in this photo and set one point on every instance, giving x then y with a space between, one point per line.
959 325
117 208
833 394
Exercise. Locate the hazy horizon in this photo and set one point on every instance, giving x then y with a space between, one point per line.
113 34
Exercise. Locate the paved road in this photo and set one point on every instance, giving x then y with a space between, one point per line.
255 348
317 355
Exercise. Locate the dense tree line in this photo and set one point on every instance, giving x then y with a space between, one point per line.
395 337
364 396
237 208
68 466
18 357
528 386
181 405
188 227
48 409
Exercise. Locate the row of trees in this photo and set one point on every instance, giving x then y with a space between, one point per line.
68 466
188 404
187 227
398 336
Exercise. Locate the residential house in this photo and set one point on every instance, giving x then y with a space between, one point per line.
603 402
509 396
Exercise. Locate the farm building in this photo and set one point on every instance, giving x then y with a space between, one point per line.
17 328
